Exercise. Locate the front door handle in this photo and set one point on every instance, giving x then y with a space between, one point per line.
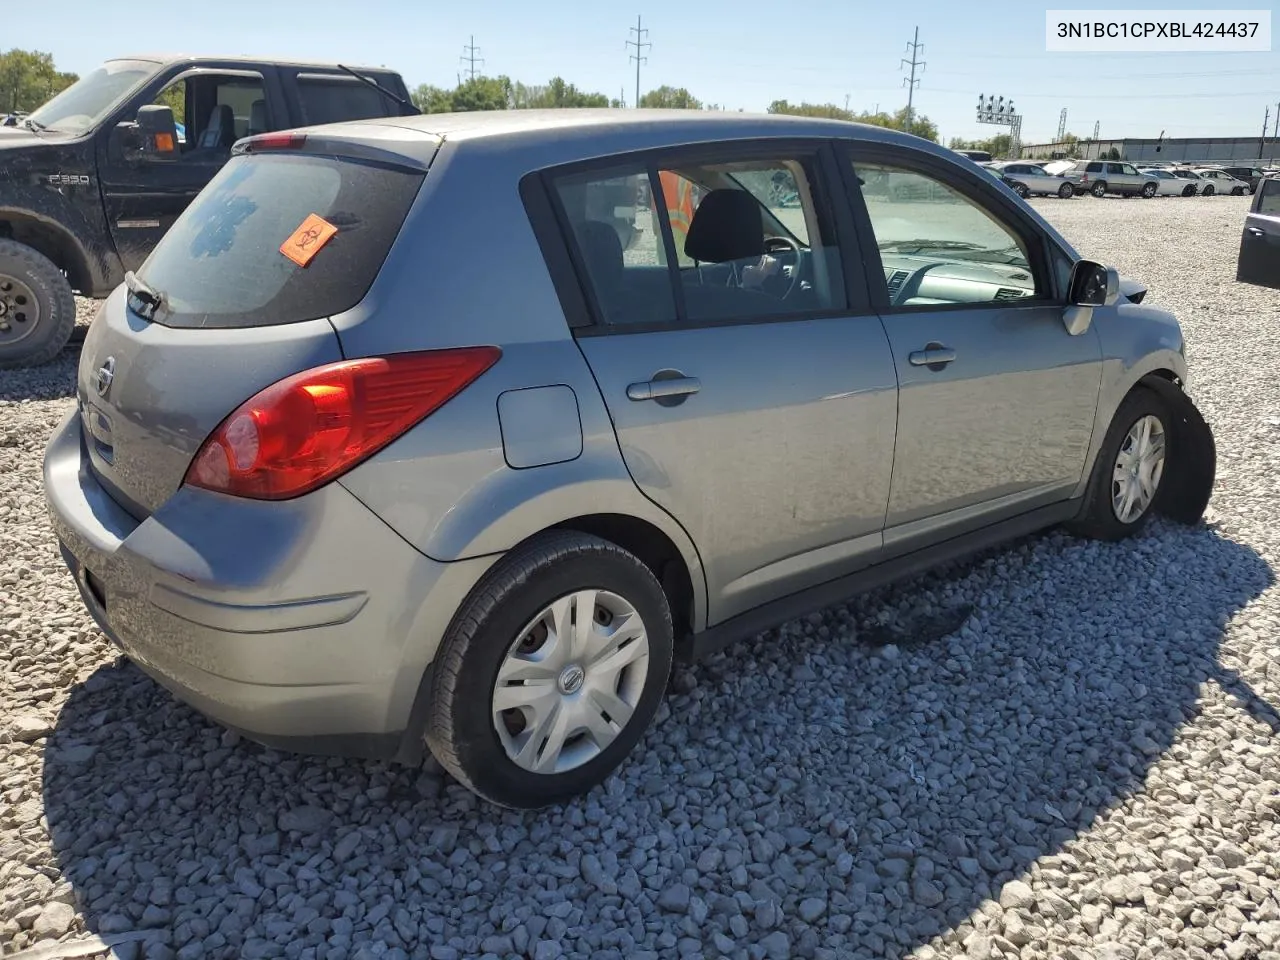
934 356
661 389
1254 231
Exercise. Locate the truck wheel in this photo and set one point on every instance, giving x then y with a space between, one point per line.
37 310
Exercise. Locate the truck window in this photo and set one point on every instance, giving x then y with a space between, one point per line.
213 111
334 99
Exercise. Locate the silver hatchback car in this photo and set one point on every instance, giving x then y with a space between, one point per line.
398 439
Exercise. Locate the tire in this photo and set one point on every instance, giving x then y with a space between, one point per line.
1148 191
1190 191
1066 191
488 633
1099 189
36 334
1237 191
1021 190
1098 518
1208 191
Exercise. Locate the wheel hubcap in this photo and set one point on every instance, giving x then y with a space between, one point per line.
571 681
1138 469
19 310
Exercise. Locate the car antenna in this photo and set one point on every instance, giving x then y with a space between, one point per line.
408 105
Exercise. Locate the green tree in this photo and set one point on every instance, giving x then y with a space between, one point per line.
432 99
482 93
28 78
664 97
828 111
555 93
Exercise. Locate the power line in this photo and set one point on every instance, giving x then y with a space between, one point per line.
470 58
640 44
915 46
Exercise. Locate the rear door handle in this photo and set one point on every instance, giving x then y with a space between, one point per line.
1254 231
661 389
935 356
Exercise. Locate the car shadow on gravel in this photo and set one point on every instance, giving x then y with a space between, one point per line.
804 793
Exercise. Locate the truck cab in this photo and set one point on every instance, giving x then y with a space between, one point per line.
91 180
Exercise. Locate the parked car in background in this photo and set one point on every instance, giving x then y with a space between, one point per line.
91 180
1259 260
483 504
978 156
1057 168
1221 182
1101 177
1250 175
1202 185
1030 179
1170 183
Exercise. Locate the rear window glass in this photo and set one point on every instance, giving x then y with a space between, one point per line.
332 101
220 264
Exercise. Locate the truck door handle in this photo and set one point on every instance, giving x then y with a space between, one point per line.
934 356
661 389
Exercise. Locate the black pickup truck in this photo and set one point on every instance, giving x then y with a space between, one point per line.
90 181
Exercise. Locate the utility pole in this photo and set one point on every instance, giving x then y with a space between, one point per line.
639 43
915 46
1062 125
470 58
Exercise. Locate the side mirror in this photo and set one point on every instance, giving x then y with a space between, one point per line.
153 136
1091 285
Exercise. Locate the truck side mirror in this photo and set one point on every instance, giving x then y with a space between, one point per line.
1091 285
153 136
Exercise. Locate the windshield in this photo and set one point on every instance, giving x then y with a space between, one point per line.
83 104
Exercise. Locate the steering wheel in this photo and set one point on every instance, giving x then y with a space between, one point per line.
779 245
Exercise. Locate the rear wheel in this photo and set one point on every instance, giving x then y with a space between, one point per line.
1148 190
1066 191
551 671
37 310
1237 191
1099 189
1127 476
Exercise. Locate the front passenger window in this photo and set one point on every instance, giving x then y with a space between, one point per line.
939 246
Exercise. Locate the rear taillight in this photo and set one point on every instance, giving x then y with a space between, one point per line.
274 141
308 429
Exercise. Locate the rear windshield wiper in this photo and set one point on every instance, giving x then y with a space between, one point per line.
408 105
146 299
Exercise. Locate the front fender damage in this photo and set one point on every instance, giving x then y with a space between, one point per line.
1188 483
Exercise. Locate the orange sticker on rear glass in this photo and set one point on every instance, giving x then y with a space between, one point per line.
306 241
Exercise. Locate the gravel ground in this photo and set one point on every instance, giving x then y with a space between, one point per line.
1071 752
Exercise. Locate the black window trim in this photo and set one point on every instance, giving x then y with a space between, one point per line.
988 195
554 234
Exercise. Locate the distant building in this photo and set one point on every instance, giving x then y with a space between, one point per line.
1186 150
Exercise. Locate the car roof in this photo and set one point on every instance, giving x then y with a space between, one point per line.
583 134
170 58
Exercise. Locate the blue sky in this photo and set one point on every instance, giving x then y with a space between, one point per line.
742 54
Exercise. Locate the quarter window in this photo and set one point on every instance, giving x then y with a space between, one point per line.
1269 202
938 246
704 242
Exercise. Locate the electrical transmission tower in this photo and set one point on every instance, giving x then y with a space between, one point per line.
640 44
1062 125
470 58
915 46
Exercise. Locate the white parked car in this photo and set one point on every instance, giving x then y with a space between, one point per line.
1031 179
1172 184
1222 182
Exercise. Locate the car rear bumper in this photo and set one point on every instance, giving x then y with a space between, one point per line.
306 624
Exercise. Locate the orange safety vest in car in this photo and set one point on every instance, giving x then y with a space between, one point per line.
678 193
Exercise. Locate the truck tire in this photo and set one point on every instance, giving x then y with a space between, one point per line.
37 310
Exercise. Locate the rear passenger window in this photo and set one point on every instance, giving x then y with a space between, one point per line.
334 99
710 242
1269 202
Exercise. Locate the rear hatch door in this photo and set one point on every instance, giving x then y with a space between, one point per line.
235 297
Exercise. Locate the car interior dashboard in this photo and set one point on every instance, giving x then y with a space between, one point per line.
921 280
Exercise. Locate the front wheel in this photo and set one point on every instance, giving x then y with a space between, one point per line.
1237 192
1127 476
1021 190
1066 191
1190 190
1148 191
551 671
1208 191
1099 189
37 310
